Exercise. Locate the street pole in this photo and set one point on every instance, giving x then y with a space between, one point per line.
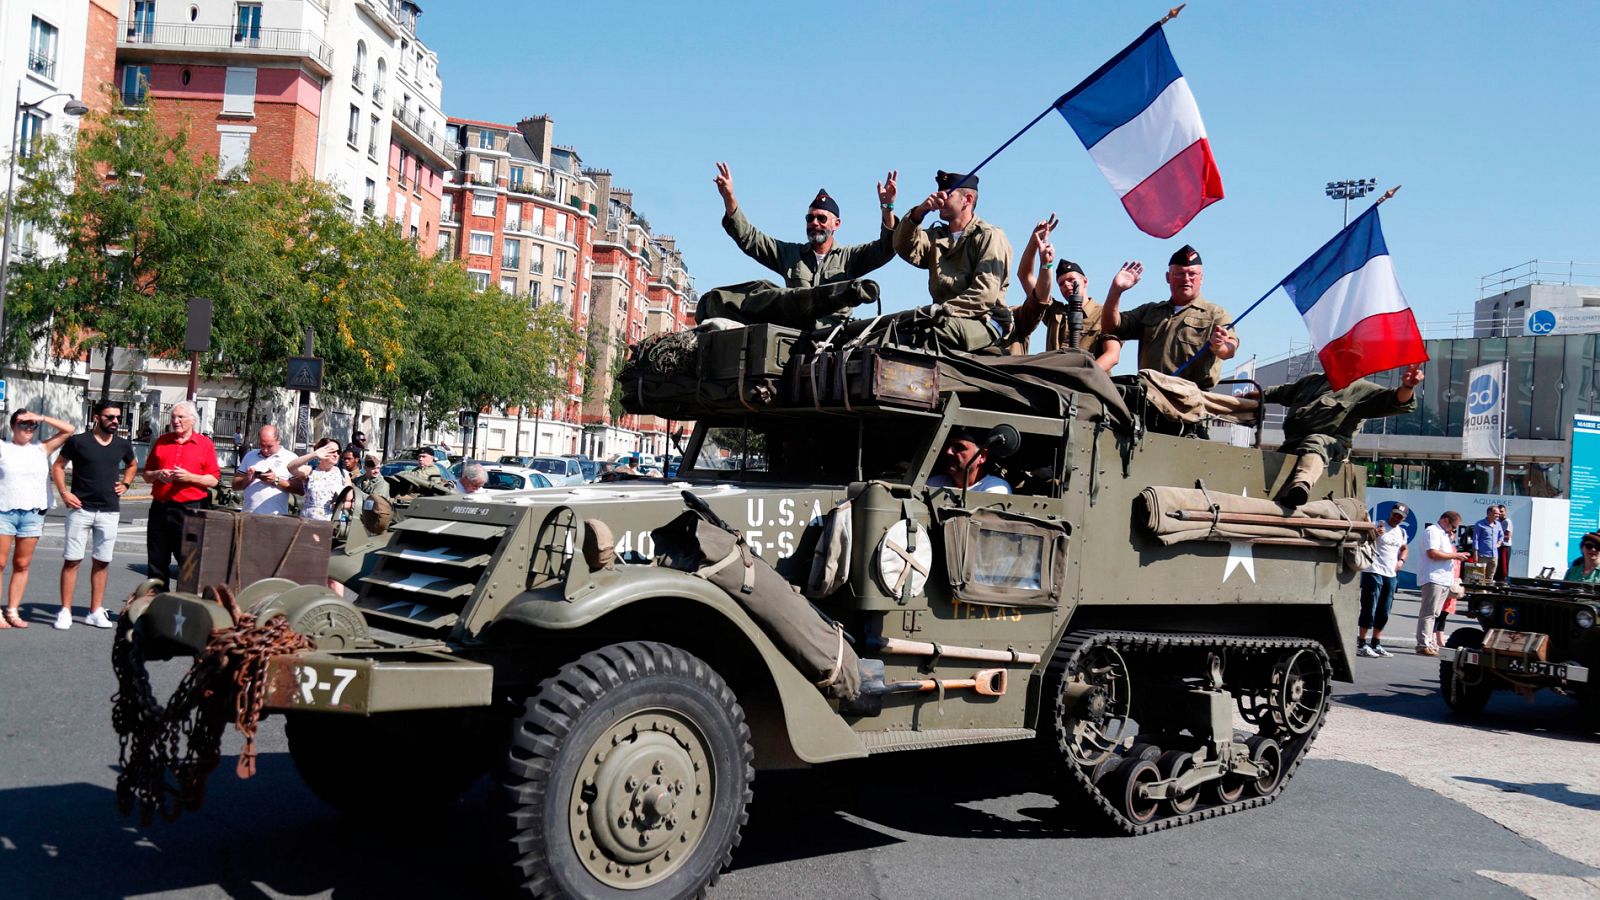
302 425
1505 383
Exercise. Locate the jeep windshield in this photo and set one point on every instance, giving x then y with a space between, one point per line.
812 449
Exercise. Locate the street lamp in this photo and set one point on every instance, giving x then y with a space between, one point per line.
73 107
1349 190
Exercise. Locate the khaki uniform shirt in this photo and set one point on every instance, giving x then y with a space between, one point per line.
798 263
1324 421
1169 336
1056 326
970 275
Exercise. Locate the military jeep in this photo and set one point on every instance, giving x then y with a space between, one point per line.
1135 610
1536 634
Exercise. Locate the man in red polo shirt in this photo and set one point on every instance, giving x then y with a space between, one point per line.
181 469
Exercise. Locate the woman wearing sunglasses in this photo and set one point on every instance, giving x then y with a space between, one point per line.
1586 568
24 472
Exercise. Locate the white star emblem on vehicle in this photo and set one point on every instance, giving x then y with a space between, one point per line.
177 620
1240 554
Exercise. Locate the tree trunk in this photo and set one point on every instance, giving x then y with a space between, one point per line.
105 377
250 409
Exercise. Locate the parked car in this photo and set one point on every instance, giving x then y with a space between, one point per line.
591 469
514 478
559 469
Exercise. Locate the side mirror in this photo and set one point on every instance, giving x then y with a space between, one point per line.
1004 440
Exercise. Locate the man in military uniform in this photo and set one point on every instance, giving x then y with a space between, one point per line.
822 280
1320 424
1038 307
968 262
1184 332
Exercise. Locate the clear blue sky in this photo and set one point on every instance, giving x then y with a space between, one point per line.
1484 111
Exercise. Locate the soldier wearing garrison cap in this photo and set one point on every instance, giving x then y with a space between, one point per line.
1037 307
1174 331
968 262
815 264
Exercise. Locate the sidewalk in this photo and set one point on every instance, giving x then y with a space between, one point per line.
130 535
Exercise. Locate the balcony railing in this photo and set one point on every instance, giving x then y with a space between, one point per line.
537 268
358 78
509 262
133 99
513 224
378 96
411 120
369 206
228 37
564 236
41 65
485 180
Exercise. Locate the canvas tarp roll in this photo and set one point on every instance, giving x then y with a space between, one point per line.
1182 399
1155 504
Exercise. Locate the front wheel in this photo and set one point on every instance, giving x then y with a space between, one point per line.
1466 692
628 775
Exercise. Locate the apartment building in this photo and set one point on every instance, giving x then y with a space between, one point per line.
519 212
341 90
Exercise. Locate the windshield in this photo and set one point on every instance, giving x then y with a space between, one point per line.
818 449
551 466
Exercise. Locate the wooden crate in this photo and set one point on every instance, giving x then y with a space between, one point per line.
268 547
1525 644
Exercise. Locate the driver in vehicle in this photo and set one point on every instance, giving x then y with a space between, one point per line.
963 460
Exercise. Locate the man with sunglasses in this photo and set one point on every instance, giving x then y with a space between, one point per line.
822 279
103 466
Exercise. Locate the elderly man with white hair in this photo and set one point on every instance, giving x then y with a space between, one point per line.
181 470
473 479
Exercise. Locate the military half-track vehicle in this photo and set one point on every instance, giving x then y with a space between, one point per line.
1136 610
1535 634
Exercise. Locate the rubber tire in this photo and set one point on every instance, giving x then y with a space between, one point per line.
1472 698
393 764
1121 785
1172 764
558 725
1260 746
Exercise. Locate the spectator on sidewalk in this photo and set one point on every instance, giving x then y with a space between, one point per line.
1437 577
1486 537
1378 583
322 482
103 467
24 475
1586 568
263 474
181 469
1504 568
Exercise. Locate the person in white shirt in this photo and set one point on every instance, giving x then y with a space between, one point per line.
24 474
1378 582
964 456
473 479
264 475
1437 576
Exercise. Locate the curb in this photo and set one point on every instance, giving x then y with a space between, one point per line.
51 542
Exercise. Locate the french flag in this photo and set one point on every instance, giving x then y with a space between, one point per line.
1140 124
1352 305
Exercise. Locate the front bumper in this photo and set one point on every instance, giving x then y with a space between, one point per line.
1516 666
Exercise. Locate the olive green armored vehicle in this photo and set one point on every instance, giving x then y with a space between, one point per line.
1135 609
1535 634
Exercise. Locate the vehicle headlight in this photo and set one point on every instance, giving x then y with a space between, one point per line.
1486 607
1585 618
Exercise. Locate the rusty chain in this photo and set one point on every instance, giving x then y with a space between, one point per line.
168 752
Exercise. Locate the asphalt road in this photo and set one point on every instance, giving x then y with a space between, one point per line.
1395 800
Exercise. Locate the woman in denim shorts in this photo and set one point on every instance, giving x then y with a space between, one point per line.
24 472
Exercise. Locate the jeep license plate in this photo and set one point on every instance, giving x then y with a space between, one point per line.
1535 667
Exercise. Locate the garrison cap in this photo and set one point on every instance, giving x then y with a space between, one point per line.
979 436
1185 256
947 181
825 201
1067 265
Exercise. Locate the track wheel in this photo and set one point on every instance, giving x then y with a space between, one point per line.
1227 789
1172 764
1123 785
1298 694
1104 768
1266 753
628 775
1469 693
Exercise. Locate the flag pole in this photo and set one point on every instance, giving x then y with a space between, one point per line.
1251 308
1171 14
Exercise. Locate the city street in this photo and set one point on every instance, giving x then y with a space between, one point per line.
1396 800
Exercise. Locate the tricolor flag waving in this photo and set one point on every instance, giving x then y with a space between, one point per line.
1352 305
1139 121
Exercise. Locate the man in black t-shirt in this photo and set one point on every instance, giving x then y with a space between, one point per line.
103 466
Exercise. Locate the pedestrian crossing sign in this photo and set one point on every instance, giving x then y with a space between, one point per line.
305 373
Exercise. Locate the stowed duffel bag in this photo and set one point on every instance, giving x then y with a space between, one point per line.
699 542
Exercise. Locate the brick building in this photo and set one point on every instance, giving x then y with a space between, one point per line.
341 90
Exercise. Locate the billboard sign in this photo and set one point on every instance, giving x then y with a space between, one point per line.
1483 429
1584 483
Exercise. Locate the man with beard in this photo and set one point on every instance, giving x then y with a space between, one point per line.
822 280
968 262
